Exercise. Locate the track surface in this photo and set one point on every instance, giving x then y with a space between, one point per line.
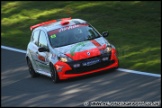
19 89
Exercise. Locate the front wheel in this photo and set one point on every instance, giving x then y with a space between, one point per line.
54 75
31 70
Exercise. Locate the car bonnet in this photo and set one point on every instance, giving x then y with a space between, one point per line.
85 49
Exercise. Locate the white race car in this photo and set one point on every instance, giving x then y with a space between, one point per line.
67 48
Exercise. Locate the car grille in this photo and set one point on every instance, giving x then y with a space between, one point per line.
83 69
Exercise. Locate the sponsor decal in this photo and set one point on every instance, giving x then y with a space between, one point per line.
81 44
53 36
41 58
89 63
66 28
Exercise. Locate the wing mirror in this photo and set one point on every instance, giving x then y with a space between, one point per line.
105 34
42 49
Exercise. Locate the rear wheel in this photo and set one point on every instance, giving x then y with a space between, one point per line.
31 70
54 75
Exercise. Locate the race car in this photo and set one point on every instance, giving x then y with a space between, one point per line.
67 48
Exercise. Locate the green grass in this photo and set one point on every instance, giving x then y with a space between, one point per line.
134 26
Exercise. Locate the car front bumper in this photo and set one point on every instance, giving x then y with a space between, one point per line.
88 66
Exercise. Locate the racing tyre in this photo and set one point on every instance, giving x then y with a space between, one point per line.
54 75
31 70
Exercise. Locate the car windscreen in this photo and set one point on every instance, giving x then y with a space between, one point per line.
72 34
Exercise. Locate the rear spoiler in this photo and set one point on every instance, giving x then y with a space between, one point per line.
63 21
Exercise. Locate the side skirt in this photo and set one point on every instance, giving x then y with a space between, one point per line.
44 73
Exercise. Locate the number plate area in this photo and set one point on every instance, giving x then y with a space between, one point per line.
91 62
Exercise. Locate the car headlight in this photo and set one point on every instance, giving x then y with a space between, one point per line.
108 49
64 58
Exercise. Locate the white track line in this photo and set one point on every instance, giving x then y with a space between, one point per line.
120 69
13 49
139 72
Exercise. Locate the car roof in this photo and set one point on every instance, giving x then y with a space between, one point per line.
56 24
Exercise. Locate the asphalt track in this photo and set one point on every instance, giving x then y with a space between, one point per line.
19 89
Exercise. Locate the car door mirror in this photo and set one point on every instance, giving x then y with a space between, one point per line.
42 49
105 34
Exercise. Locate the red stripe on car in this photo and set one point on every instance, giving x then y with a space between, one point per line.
95 43
100 47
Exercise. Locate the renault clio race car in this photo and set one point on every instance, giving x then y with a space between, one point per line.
67 48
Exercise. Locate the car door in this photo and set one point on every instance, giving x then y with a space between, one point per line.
33 48
42 57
